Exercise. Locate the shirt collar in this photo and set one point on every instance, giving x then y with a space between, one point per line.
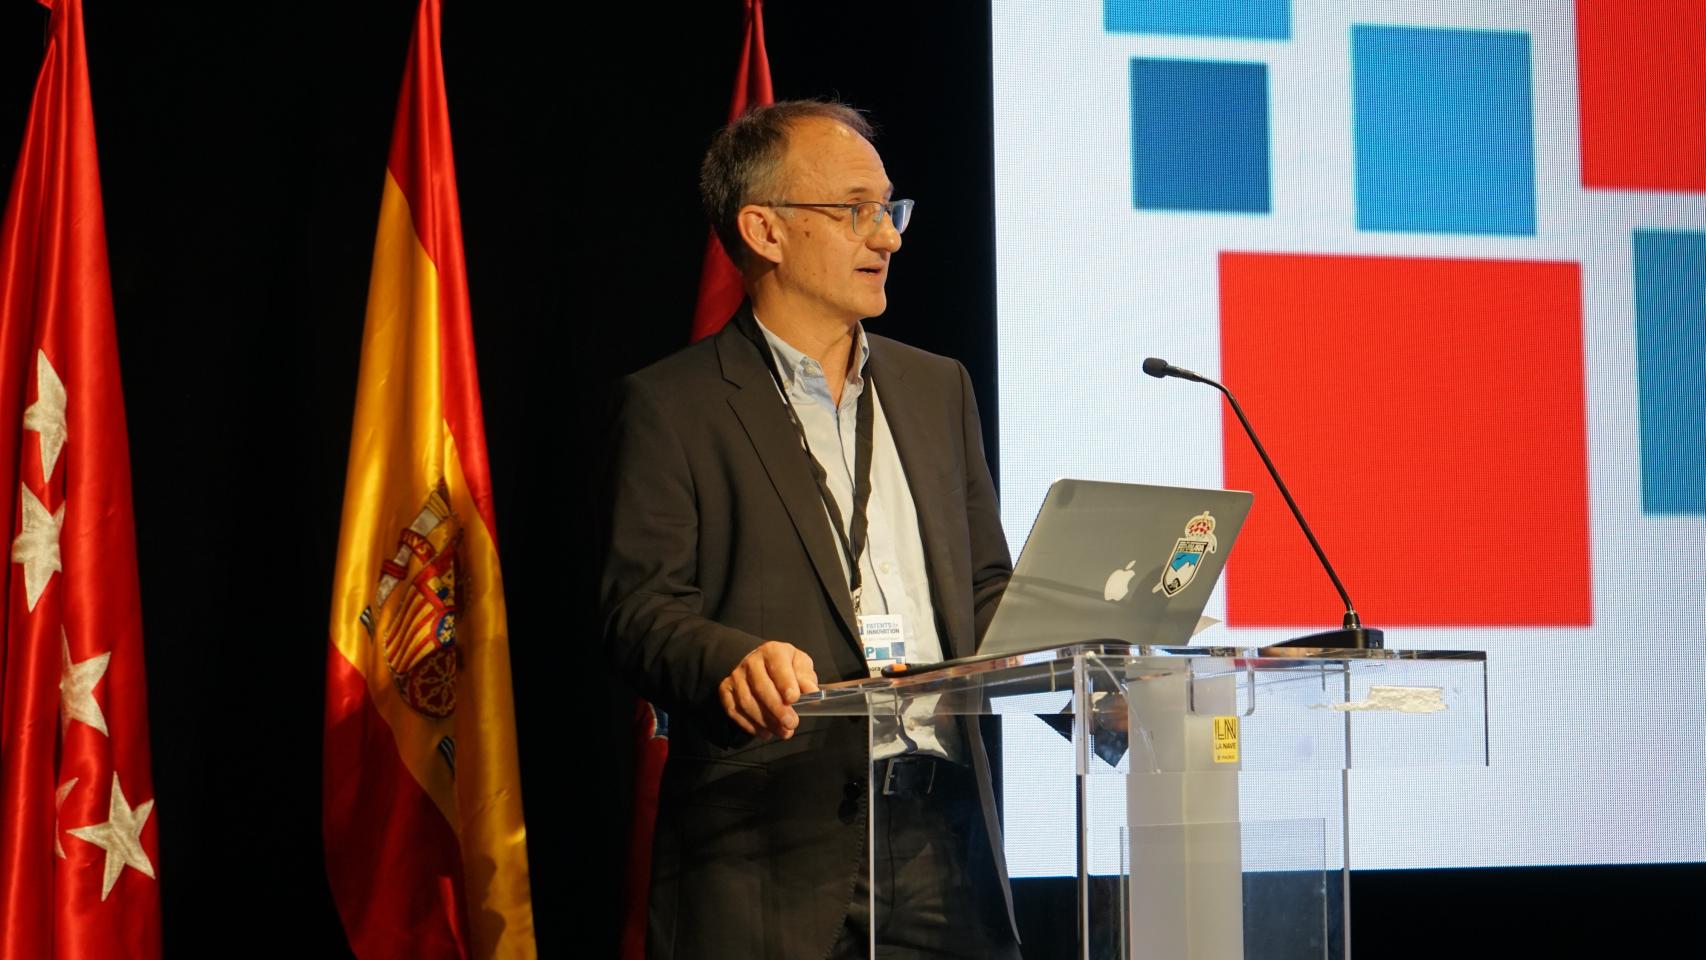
789 360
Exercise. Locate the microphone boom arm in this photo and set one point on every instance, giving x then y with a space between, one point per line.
1352 621
1353 635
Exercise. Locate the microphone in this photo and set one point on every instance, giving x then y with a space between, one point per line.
1353 635
1157 367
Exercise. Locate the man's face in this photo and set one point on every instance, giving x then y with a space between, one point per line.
824 265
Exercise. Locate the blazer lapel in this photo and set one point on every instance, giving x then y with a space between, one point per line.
920 452
759 409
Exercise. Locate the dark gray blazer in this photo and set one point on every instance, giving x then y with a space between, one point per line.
718 541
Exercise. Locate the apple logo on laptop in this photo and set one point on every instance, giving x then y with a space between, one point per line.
1119 583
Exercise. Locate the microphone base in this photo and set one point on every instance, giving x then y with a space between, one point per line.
1357 638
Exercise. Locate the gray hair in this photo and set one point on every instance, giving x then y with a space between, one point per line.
745 157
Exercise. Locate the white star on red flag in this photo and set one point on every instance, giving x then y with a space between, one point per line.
47 415
37 545
77 687
121 837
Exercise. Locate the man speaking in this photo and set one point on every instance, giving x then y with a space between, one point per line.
795 502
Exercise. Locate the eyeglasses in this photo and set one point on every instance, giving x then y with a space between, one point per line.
867 214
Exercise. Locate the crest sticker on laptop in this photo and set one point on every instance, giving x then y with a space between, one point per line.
1188 553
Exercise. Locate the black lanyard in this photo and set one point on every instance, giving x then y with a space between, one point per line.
852 539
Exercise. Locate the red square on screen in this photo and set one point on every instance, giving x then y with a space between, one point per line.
1641 75
1428 417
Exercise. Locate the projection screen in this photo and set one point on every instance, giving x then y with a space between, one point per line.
1451 257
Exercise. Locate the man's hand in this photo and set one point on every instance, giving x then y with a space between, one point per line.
757 694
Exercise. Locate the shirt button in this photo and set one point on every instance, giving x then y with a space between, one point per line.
886 567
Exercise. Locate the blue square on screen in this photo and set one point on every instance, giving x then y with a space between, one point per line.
1255 19
1199 135
1444 130
1670 350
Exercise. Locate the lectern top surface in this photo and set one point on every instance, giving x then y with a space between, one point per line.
1106 654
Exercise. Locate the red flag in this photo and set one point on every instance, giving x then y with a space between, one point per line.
78 840
720 290
426 847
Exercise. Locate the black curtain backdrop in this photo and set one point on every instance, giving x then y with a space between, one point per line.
242 154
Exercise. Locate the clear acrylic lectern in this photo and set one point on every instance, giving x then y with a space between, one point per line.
1207 810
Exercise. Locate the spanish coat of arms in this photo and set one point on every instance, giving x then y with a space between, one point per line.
413 613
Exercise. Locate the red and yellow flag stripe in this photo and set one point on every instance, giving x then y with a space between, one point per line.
425 841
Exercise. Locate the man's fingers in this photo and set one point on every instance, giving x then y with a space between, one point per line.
725 690
745 703
779 659
757 694
777 716
729 706
804 672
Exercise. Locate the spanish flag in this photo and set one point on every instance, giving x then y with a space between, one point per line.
426 849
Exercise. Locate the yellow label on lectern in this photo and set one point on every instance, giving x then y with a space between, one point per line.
1225 739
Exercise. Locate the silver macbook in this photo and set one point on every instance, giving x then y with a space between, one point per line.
1116 561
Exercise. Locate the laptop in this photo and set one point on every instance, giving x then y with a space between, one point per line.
1109 563
1120 562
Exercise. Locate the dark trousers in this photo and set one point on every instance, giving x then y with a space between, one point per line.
938 895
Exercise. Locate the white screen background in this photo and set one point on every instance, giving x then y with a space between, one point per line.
1598 734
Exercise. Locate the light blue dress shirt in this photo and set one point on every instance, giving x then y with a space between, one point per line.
893 573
